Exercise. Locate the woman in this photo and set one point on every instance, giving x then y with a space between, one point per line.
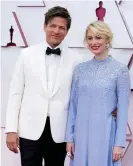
93 136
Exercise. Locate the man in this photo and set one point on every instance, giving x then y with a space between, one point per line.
39 96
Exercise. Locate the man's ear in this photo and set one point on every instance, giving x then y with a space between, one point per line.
44 27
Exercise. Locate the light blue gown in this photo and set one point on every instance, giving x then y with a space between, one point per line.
98 87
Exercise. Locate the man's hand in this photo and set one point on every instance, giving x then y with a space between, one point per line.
70 149
12 142
117 153
114 113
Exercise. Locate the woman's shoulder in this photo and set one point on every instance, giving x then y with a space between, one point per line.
83 65
118 66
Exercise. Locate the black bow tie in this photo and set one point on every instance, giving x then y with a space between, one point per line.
56 51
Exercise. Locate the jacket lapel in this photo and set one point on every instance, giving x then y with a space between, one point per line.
59 73
41 66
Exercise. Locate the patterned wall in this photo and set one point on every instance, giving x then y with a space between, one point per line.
27 17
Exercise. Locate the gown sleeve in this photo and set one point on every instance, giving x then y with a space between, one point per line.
72 110
123 96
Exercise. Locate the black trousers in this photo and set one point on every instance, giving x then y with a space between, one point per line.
33 152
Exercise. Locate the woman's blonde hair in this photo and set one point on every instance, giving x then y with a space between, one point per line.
100 28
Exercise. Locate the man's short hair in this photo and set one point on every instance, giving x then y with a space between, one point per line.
58 11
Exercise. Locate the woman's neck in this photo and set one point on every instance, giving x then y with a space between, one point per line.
102 56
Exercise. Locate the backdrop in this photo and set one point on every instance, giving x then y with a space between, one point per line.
27 18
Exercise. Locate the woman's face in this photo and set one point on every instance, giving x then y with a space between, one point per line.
96 43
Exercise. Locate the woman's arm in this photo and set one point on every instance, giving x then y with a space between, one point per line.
72 108
123 95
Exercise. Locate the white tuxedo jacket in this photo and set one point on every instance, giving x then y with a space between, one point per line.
29 100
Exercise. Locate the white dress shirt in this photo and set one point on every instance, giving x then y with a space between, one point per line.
52 67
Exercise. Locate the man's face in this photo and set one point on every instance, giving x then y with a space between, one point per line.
55 30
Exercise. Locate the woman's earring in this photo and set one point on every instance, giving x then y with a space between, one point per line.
107 46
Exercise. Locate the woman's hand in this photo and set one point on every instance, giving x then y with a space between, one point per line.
70 149
117 153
